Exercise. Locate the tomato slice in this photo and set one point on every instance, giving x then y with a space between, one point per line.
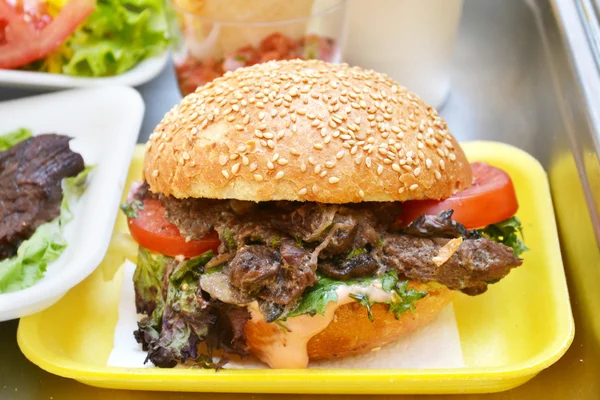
489 200
152 231
25 38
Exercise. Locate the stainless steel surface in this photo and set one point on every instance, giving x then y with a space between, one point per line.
589 12
511 83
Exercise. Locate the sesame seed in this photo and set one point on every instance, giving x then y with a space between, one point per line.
315 189
448 144
233 156
442 165
275 157
223 159
330 164
235 168
294 129
225 174
413 187
417 171
302 191
401 190
239 127
303 167
161 146
334 180
340 154
438 175
258 177
323 173
361 194
294 152
368 162
270 165
318 146
279 175
253 166
301 111
268 135
282 161
428 163
229 119
327 139
396 167
245 160
311 160
317 168
380 170
155 173
452 157
407 167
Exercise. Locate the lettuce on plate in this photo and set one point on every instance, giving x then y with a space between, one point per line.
47 242
117 36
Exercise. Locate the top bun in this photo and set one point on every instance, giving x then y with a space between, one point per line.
304 131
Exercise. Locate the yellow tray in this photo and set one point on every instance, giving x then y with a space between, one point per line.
519 327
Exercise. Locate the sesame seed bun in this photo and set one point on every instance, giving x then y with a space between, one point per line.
305 131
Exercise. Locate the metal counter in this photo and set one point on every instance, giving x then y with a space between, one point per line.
521 75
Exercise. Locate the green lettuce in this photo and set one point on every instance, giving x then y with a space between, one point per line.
315 299
10 139
117 36
507 232
47 242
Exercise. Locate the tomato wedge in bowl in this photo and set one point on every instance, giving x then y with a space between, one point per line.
491 199
28 34
150 229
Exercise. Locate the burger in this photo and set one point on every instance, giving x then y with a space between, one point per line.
300 210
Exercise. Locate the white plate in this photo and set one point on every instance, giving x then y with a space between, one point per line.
104 124
142 73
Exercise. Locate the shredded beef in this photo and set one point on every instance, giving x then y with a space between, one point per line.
471 267
31 173
363 264
441 225
195 217
254 268
276 248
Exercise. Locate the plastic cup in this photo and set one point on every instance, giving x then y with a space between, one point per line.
212 37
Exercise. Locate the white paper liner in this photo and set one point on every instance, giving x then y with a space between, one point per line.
436 345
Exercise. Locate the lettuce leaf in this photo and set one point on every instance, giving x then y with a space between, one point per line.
117 36
507 232
10 139
178 318
315 299
45 245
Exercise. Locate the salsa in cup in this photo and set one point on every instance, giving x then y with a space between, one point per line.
210 39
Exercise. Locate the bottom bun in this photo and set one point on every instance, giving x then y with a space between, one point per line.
350 330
